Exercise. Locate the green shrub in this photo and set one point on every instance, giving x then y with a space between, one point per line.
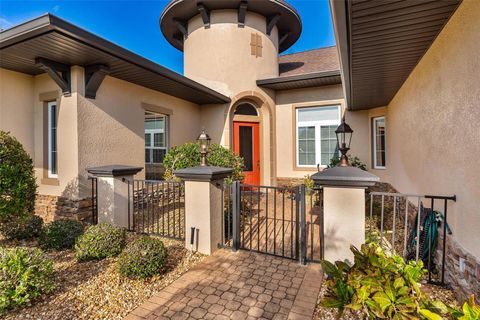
60 234
19 228
386 287
142 258
354 161
188 155
470 310
25 274
17 179
100 241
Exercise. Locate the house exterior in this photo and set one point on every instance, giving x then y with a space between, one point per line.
404 75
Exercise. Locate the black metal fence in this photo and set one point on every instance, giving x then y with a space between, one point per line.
408 225
279 221
157 208
94 187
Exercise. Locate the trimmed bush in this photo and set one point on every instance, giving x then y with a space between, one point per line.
354 161
22 228
188 155
25 274
142 258
99 242
60 234
17 179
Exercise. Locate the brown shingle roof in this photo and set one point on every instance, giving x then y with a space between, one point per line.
316 60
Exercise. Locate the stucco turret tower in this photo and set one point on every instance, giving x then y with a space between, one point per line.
229 44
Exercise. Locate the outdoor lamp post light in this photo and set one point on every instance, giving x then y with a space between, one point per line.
344 138
204 142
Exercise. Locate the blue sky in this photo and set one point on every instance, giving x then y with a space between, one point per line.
134 24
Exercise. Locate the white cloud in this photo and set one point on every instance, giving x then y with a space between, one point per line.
56 8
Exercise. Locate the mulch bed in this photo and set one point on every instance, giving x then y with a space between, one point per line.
95 289
445 295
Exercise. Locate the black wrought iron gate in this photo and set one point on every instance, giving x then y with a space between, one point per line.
279 221
157 208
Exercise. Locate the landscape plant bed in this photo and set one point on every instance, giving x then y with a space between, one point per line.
95 289
434 292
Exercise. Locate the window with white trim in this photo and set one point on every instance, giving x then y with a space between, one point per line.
52 139
316 140
379 139
156 127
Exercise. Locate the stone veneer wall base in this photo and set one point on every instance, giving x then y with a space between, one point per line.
52 208
464 283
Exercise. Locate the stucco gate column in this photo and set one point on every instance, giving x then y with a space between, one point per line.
112 192
204 205
343 209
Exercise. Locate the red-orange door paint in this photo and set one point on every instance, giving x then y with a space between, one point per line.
246 143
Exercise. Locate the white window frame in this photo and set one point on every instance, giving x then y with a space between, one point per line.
374 139
317 125
152 138
49 134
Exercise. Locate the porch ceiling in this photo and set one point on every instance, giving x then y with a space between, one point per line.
52 38
381 42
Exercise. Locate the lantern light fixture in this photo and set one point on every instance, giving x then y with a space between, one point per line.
344 138
204 143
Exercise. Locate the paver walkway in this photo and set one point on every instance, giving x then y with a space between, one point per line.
241 285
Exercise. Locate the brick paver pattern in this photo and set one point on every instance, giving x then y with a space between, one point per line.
238 285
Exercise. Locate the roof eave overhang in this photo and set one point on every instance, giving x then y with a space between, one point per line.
49 23
307 80
370 78
289 22
340 20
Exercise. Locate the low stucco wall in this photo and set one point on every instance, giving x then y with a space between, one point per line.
16 108
433 139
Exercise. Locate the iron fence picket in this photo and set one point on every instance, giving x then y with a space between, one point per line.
94 198
151 205
411 244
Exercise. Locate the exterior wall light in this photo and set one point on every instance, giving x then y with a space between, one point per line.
344 138
204 142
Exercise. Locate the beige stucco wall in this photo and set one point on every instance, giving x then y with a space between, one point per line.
286 103
433 138
111 126
91 132
67 136
220 56
16 108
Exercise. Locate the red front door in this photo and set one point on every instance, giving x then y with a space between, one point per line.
246 143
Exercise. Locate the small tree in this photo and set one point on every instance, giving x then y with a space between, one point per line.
188 155
17 179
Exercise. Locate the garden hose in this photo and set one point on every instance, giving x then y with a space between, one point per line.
430 221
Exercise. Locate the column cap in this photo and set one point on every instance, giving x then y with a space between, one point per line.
114 170
345 177
205 173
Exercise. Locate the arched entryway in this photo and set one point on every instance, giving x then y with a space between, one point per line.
246 140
